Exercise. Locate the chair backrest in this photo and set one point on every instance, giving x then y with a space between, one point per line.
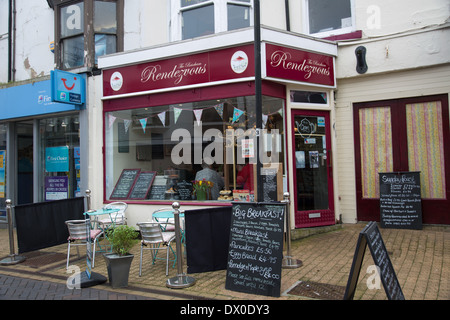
78 229
122 206
151 232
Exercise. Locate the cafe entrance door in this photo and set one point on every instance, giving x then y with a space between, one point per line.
313 179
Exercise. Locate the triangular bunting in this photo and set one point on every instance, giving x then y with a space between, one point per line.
198 115
162 117
143 123
127 124
176 112
111 120
219 109
237 114
264 119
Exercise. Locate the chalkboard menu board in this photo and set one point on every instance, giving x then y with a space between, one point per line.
185 190
255 248
158 192
400 200
370 236
142 185
272 183
124 184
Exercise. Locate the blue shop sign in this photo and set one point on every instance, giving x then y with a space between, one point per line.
68 87
31 99
57 159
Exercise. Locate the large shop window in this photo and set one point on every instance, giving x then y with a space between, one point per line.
60 156
192 151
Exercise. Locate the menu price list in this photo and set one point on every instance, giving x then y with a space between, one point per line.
255 249
400 200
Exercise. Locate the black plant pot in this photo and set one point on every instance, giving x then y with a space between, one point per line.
118 269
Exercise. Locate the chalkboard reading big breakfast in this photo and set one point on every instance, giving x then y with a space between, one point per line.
256 248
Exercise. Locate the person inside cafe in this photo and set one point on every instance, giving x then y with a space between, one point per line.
209 174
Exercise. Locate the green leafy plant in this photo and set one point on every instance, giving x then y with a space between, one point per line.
122 239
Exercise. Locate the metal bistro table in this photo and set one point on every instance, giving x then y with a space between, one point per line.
96 214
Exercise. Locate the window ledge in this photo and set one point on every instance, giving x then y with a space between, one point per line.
346 36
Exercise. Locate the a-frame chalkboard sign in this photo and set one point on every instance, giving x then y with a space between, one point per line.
370 236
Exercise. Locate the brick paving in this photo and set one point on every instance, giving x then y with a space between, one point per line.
421 260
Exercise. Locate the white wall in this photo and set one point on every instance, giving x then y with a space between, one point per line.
35 31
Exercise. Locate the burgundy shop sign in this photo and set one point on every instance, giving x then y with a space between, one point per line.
298 65
195 69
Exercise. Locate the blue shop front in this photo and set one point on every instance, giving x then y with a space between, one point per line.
41 149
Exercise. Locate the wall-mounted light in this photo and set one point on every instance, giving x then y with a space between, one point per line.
361 65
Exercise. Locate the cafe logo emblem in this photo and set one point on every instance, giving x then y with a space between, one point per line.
116 81
239 62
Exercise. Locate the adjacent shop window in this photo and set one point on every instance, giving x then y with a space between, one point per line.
60 158
424 125
193 151
328 16
376 148
203 17
81 41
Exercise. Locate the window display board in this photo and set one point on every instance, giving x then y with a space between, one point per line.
124 184
141 187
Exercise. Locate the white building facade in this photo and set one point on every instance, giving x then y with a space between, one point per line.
386 61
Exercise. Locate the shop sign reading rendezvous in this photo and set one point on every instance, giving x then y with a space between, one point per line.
219 66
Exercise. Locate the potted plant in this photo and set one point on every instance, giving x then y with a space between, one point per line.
118 263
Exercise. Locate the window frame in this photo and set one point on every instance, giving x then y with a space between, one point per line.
88 34
220 11
329 33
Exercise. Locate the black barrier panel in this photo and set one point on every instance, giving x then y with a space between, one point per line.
207 235
42 225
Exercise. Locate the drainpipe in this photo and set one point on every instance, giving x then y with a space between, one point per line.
11 40
287 11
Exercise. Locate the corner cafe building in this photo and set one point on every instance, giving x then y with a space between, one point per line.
169 107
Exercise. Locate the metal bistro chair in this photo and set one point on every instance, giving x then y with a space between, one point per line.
78 232
117 218
153 237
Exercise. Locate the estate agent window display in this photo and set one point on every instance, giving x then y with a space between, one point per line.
170 145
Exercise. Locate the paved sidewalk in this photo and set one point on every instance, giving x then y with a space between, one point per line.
421 259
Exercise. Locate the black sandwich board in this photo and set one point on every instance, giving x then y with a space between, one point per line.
370 236
400 200
255 250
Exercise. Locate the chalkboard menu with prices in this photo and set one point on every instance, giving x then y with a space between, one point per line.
255 248
272 183
124 184
370 236
142 185
400 200
185 190
158 192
